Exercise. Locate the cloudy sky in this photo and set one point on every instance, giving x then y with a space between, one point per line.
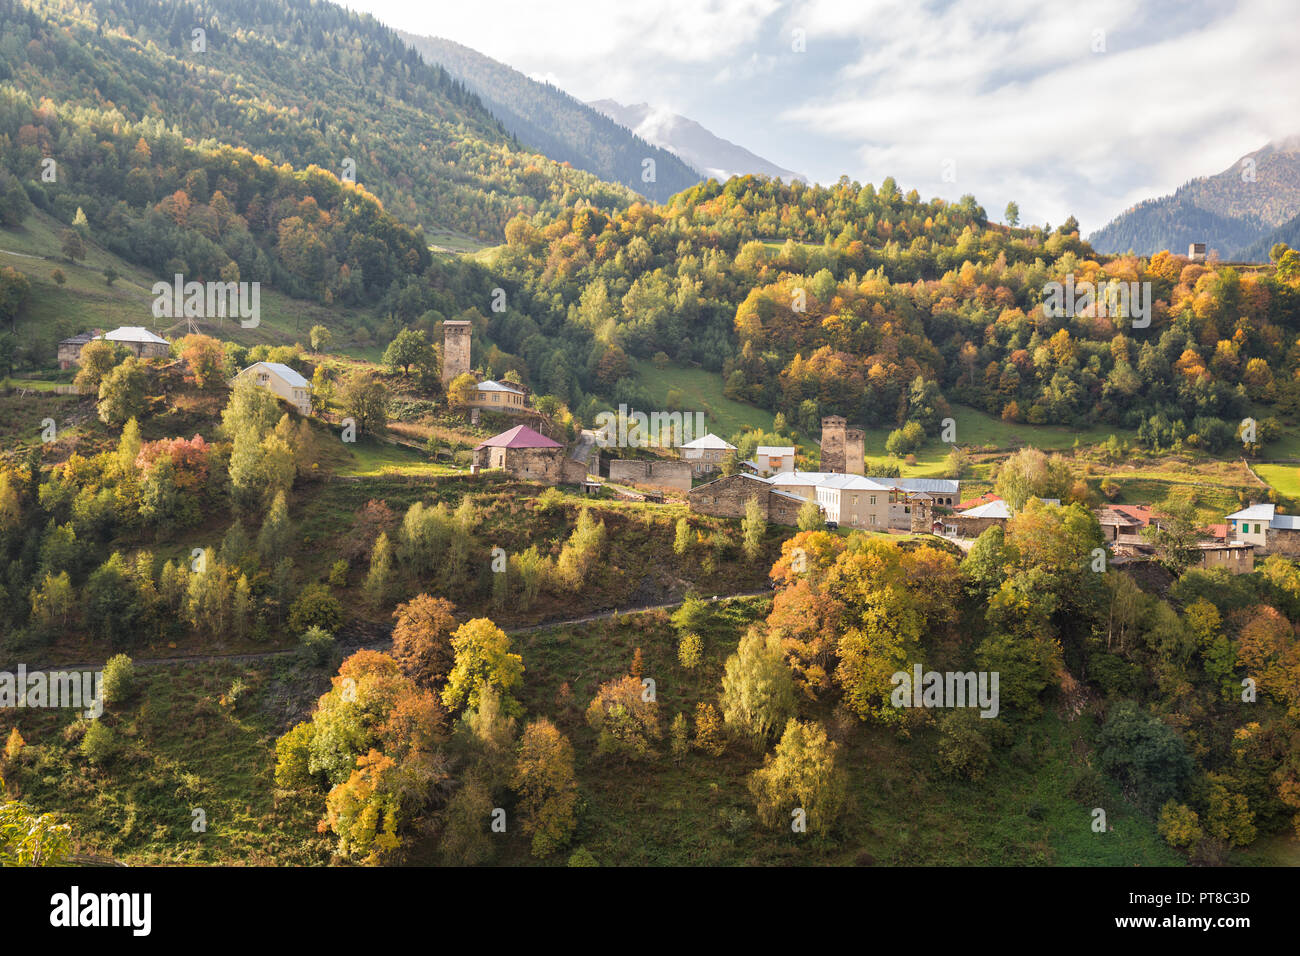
1076 108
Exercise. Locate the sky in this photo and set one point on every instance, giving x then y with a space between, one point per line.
1070 108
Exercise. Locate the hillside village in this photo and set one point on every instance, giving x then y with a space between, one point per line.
387 479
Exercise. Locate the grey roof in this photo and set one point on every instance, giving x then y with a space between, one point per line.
940 486
993 509
1285 522
491 386
708 441
1254 513
285 372
774 450
133 333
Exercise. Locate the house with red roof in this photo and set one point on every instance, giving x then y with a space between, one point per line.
528 455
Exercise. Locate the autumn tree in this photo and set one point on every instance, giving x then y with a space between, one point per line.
483 658
545 781
802 773
625 717
422 639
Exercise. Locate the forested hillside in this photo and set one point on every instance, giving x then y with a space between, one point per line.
549 120
299 83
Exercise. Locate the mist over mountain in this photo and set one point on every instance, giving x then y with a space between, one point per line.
709 154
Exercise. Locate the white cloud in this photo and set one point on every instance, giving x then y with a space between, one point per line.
1009 89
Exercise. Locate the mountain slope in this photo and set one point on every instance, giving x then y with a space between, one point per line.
555 123
298 82
711 155
1232 211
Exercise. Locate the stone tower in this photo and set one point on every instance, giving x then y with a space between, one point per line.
455 350
855 445
833 436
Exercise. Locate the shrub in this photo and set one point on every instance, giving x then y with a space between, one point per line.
117 682
99 745
317 647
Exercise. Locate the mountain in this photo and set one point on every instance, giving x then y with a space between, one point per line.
551 121
712 156
296 82
1233 211
1288 232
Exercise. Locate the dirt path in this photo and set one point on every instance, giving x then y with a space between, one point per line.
378 645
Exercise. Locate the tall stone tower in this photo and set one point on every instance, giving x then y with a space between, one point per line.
455 350
855 451
833 428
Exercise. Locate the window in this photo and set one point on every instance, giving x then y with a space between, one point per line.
873 519
873 499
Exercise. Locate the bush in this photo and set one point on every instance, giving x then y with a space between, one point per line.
690 649
316 607
963 749
317 647
99 745
582 857
117 683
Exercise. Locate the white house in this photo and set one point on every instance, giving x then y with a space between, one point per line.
773 459
1263 527
283 381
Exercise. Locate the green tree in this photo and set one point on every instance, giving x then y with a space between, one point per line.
810 516
321 338
273 539
121 393
379 582
409 348
753 528
757 688
365 400
801 774
483 658
1012 215
117 682
73 247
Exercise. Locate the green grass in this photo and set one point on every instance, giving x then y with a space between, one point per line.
1285 478
701 391
86 301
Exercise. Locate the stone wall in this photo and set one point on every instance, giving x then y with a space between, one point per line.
546 465
455 350
1235 560
972 527
833 437
670 475
1284 541
782 509
726 497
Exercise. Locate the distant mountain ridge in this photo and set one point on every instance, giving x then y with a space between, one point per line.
709 154
1234 211
547 119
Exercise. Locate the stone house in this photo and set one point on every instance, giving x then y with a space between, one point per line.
70 348
727 497
139 341
650 473
529 456
705 453
772 459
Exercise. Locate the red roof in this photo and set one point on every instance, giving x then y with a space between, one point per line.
1139 513
975 502
521 436
1218 531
